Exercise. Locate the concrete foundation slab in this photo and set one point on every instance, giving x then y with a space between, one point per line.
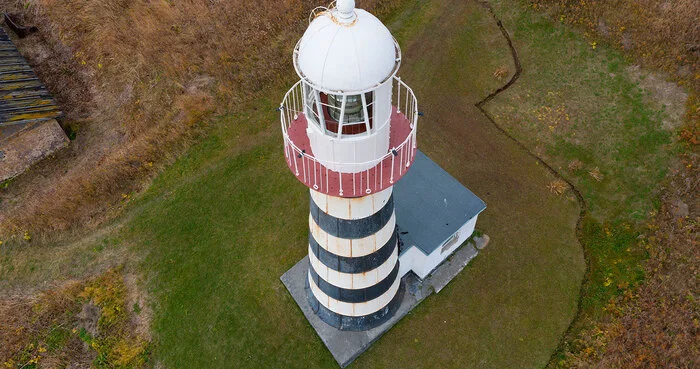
346 346
23 148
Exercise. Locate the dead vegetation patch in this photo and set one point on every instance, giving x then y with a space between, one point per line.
662 35
558 187
575 165
596 174
501 73
80 324
657 324
138 81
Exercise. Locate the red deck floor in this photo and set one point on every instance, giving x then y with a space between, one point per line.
316 176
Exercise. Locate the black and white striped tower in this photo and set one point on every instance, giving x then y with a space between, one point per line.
349 128
354 259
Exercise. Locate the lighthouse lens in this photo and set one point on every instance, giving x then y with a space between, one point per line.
354 111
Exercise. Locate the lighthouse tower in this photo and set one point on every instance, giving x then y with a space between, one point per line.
349 129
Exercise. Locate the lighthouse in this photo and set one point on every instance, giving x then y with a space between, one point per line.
349 128
383 216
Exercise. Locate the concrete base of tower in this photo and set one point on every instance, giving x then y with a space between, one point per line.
347 345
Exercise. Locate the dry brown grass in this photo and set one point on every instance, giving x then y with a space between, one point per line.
664 35
92 323
26 322
575 165
501 73
661 326
658 324
558 187
136 81
596 174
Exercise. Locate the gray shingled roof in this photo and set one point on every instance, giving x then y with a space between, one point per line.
431 205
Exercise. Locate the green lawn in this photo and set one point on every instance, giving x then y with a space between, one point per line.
580 106
579 101
216 230
223 223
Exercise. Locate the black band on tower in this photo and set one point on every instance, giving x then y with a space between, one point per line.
361 264
355 295
354 323
352 229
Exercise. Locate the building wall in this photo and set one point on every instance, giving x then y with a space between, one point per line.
415 260
353 280
355 309
351 208
353 247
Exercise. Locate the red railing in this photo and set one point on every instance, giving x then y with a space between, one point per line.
380 173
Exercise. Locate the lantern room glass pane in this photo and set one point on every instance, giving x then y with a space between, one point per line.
354 111
310 109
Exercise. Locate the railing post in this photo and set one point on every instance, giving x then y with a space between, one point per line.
296 165
391 179
406 103
354 191
303 165
398 98
368 191
282 119
381 173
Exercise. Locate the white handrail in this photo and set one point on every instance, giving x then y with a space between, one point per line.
292 107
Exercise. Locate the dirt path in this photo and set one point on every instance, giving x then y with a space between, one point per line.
579 197
520 295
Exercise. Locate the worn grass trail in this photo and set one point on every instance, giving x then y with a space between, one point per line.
519 295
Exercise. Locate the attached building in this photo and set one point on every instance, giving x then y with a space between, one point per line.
434 213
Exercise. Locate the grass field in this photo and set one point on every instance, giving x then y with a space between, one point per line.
223 224
215 230
608 128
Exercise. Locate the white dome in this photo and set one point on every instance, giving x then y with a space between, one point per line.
342 51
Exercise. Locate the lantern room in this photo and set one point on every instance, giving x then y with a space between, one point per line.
349 113
347 59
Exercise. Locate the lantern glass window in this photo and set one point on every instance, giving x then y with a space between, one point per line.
324 111
311 107
354 110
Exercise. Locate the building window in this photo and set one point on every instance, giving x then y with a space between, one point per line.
311 109
449 243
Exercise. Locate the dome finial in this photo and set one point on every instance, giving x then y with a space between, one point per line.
346 9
